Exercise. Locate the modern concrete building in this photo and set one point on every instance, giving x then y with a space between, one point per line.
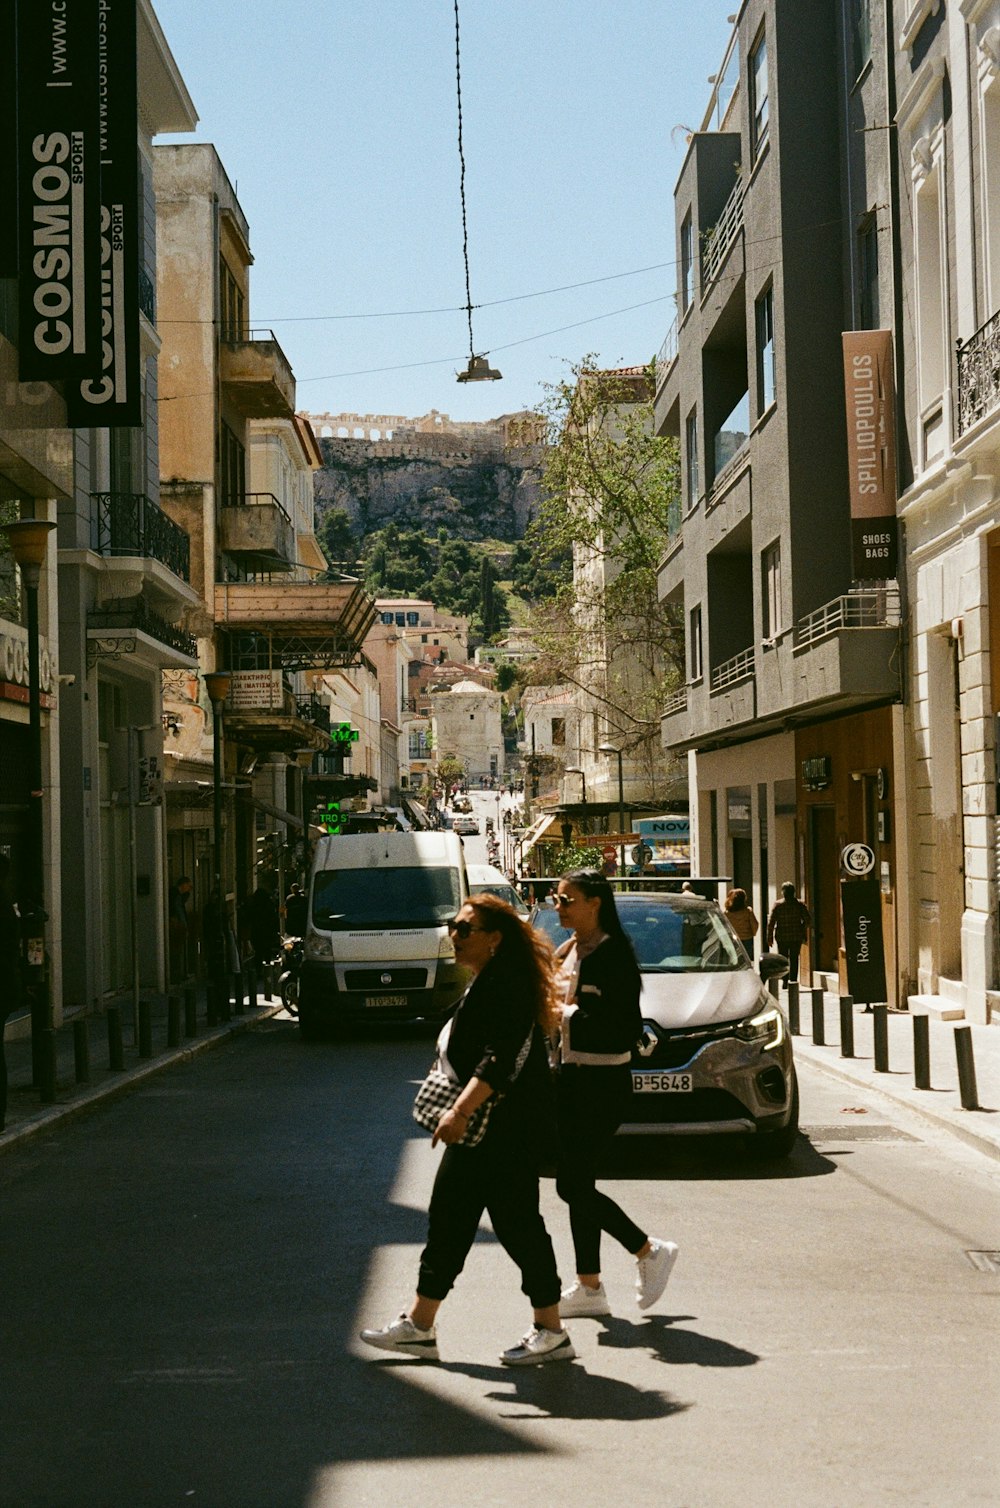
791 715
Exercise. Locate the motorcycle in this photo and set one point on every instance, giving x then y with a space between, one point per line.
292 949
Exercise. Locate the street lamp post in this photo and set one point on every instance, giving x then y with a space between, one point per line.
614 749
28 539
575 769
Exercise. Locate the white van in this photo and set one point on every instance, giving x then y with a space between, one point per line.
377 945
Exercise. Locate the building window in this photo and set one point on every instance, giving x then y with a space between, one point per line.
868 271
687 262
232 305
388 617
413 620
930 314
766 386
770 575
400 620
861 37
691 459
758 93
558 732
696 667
232 468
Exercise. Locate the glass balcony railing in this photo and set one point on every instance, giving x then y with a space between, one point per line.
732 435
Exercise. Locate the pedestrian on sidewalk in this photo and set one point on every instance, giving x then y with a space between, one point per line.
263 928
788 925
600 1025
741 918
10 970
509 1004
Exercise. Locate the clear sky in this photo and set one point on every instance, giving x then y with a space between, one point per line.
338 125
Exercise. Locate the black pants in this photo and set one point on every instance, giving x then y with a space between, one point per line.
499 1176
592 1104
791 952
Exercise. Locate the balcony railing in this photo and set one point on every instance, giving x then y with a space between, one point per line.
311 710
876 608
731 672
147 296
668 352
720 238
128 523
134 613
979 374
676 703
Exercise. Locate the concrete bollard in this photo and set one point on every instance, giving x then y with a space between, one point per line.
145 1030
173 1021
966 1068
880 1028
81 1052
116 1050
847 1026
818 1018
190 1011
921 1053
794 1025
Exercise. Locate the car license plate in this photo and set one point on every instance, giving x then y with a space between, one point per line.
385 1002
662 1083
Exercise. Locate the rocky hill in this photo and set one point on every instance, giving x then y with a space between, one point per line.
480 481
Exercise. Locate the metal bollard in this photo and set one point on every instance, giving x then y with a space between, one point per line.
173 1021
794 1025
251 971
921 1052
145 1030
774 988
81 1052
116 1051
190 1011
880 1028
818 1018
847 1026
966 1068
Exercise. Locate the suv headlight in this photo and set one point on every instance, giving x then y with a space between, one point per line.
317 946
764 1030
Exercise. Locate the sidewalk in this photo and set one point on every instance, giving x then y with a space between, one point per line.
27 1115
941 1104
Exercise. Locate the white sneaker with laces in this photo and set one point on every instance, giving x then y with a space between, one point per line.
581 1300
653 1272
538 1346
403 1335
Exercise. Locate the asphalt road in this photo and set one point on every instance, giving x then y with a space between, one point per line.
184 1273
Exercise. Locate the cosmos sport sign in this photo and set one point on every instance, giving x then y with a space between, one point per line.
76 162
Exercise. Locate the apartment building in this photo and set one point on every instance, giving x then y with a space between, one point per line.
946 77
791 715
236 466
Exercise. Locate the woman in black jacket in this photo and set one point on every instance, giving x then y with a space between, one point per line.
509 1003
600 1026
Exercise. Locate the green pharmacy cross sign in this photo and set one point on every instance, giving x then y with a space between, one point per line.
343 733
331 818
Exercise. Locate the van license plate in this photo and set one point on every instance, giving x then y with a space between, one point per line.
385 1002
662 1083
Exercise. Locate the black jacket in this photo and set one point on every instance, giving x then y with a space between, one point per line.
607 1020
489 1028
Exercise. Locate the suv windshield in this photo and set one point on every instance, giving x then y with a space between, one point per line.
374 899
691 940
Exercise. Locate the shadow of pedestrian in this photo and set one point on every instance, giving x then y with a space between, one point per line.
569 1391
682 1348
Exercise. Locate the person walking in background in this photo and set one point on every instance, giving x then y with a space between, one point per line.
10 968
508 1007
788 926
296 912
179 928
600 1025
263 929
741 918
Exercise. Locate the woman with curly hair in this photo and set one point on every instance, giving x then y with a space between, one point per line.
497 1050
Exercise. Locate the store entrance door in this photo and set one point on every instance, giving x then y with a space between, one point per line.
824 903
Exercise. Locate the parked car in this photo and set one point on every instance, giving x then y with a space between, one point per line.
488 877
465 826
461 804
716 1055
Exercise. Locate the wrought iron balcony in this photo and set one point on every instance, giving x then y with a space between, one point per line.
147 296
979 374
128 523
311 710
134 615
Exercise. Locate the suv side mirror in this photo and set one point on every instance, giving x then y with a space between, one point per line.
773 966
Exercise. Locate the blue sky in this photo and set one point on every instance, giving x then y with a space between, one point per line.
338 125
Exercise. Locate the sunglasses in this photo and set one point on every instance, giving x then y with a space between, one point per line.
564 900
463 929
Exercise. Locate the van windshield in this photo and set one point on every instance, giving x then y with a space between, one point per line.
348 899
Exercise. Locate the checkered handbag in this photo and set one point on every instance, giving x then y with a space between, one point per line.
440 1090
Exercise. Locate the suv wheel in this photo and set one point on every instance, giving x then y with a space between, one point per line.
774 1144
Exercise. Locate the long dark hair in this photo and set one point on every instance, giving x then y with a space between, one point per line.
528 953
592 882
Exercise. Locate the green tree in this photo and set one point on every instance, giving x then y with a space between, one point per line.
450 772
336 538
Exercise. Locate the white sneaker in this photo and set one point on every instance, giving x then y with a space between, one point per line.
403 1335
538 1346
583 1300
653 1272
